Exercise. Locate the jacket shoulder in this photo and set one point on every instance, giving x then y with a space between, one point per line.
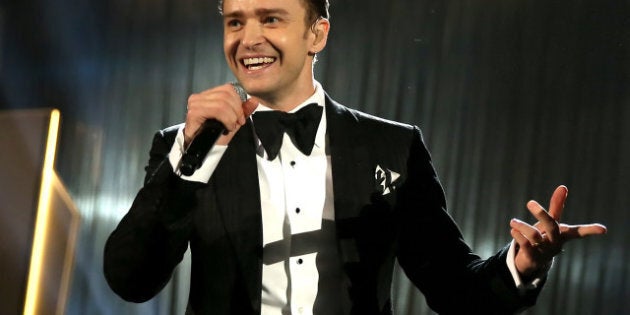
369 121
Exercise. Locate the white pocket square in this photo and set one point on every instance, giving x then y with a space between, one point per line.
384 179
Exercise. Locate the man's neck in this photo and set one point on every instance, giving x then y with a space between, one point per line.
288 100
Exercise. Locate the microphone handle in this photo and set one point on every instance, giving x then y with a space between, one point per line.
210 131
200 146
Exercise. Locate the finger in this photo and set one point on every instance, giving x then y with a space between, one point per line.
247 108
570 232
235 104
213 106
532 234
209 104
520 239
224 111
546 223
556 204
230 111
592 229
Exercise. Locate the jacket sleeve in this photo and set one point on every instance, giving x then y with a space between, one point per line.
434 256
152 237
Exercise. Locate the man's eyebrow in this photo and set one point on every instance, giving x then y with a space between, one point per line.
272 11
235 14
259 12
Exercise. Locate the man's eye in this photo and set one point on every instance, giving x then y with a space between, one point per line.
233 23
271 20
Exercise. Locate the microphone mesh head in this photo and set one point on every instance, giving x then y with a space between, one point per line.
239 90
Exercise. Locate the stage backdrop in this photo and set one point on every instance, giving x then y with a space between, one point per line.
513 96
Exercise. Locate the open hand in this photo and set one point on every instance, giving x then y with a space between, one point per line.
539 243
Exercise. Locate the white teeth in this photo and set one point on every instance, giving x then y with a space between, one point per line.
258 61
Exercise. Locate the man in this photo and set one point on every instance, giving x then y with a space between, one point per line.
312 224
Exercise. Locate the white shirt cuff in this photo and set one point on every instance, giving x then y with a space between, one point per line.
208 165
522 286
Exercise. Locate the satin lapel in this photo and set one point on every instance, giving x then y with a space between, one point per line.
238 200
351 184
351 167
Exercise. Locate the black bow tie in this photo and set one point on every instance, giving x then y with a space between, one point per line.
301 127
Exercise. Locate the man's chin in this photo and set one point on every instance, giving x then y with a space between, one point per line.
255 88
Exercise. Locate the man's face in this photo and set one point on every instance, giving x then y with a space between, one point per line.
269 47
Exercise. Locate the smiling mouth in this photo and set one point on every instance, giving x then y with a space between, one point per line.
257 63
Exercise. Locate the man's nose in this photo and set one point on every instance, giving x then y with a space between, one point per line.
252 35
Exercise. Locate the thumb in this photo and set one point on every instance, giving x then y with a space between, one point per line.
249 106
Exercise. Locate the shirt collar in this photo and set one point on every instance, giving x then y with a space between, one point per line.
320 99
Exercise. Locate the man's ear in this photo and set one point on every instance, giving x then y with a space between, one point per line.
320 29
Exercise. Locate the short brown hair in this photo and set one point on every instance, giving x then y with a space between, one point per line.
315 9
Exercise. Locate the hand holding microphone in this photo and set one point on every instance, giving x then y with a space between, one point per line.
213 116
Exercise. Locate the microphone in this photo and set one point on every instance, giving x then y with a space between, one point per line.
205 139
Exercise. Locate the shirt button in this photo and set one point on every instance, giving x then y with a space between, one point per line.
292 163
297 210
301 310
300 261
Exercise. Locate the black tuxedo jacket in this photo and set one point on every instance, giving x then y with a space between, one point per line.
377 221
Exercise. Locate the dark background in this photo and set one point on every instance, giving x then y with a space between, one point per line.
514 97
